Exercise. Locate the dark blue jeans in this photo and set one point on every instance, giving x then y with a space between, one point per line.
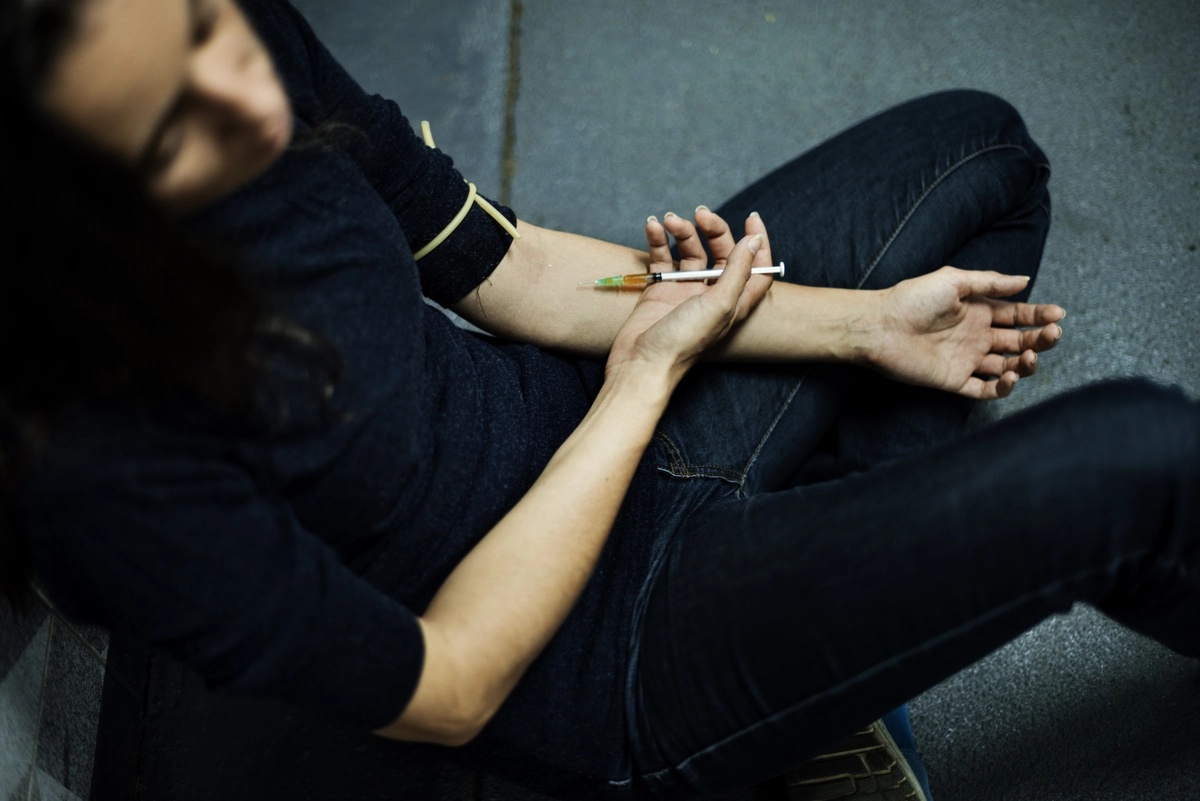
849 546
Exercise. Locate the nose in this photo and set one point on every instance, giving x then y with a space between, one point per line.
237 89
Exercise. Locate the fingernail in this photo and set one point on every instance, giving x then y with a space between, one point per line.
1059 334
754 214
701 208
755 243
651 219
669 215
1026 277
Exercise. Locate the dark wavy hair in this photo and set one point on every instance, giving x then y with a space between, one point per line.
104 298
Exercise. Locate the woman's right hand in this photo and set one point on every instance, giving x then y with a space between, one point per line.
675 321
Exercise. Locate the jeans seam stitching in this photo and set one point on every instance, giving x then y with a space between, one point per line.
699 471
678 467
770 430
917 204
881 665
674 454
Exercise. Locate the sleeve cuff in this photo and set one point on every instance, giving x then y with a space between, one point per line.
467 257
383 679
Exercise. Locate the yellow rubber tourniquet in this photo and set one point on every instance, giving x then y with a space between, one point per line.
472 197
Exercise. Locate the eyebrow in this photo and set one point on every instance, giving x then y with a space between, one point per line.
148 151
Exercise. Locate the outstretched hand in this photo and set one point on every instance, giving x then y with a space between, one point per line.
949 330
674 322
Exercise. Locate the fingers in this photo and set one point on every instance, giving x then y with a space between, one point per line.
737 266
736 289
716 231
755 291
988 284
1026 314
1026 344
1010 340
755 225
995 364
1040 319
658 242
1014 351
753 287
982 389
691 247
1009 369
710 227
720 237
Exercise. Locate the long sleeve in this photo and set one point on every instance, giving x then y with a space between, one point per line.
418 183
189 556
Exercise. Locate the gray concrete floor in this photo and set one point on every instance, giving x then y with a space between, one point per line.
625 108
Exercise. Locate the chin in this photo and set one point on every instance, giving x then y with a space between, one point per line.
273 141
278 132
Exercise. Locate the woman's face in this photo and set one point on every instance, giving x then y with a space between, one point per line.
182 90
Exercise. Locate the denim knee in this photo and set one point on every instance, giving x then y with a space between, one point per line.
992 112
1144 430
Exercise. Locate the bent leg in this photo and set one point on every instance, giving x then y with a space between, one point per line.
781 622
952 178
950 175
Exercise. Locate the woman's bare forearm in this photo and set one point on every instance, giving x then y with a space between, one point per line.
502 604
534 296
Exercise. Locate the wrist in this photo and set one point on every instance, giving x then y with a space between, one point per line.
624 414
865 328
641 384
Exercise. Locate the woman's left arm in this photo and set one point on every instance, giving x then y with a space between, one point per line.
942 330
946 330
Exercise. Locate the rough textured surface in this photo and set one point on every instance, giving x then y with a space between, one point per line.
444 62
1076 709
22 666
71 709
49 707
